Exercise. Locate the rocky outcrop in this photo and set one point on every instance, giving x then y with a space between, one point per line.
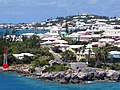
72 76
82 76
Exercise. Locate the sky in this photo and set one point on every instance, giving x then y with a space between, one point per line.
19 11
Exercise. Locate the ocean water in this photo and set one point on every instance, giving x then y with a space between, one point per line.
13 81
18 32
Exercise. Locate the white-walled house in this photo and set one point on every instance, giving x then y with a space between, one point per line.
112 33
22 55
50 42
48 39
63 47
89 37
46 44
74 36
51 34
57 42
14 38
28 34
114 54
104 41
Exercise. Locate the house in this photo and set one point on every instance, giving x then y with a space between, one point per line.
74 36
63 34
114 54
51 34
63 47
89 37
14 38
50 42
46 44
22 55
28 34
57 42
104 41
48 39
112 33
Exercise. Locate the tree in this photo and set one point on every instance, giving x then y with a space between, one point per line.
66 26
68 56
56 49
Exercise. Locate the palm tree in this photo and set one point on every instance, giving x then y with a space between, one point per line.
68 56
66 26
83 49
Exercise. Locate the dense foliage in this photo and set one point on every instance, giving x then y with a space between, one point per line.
68 56
56 67
27 45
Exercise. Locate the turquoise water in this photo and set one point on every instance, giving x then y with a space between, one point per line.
18 32
12 81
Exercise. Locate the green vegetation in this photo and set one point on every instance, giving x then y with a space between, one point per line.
83 60
68 56
56 68
101 59
80 43
41 61
29 45
56 49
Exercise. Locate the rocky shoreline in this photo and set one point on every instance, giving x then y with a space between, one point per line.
80 76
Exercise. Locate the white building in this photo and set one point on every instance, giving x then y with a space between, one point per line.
22 55
104 41
112 33
114 54
74 36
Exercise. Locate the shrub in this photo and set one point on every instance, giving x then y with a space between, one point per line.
91 62
31 70
83 60
99 64
56 67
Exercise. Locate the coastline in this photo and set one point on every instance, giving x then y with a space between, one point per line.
78 77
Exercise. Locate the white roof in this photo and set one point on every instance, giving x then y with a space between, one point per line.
76 46
39 34
62 45
106 39
94 30
89 46
114 52
91 36
73 35
94 43
80 32
60 41
10 36
49 38
117 41
49 33
47 42
100 23
86 53
111 34
28 34
23 54
117 45
55 28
